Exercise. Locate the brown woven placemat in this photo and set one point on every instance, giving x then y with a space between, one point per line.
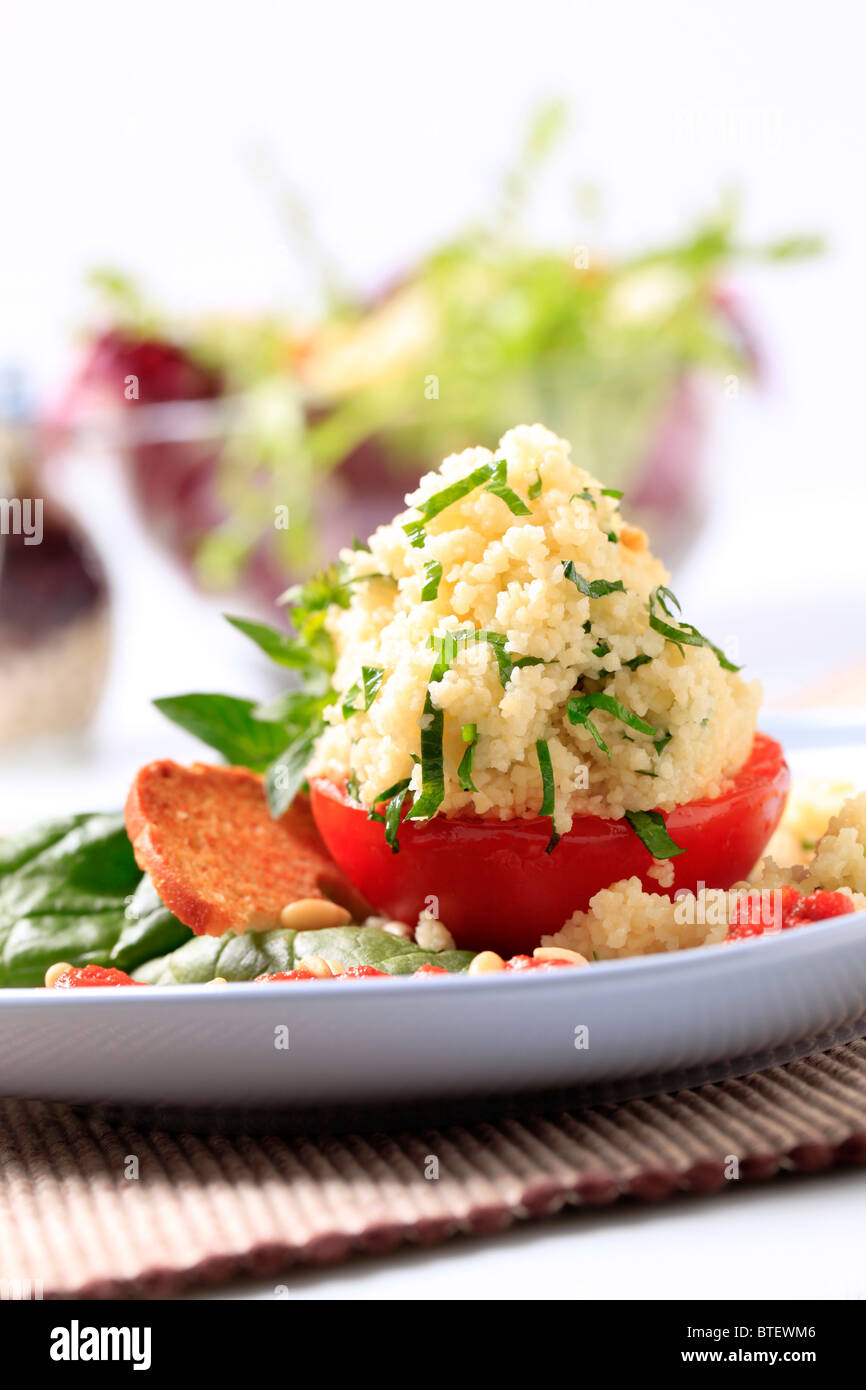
207 1208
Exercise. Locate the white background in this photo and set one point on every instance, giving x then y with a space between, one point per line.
132 135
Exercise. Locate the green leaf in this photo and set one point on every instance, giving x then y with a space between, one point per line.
548 803
70 890
640 660
679 632
579 706
371 679
392 818
535 488
288 773
499 487
585 496
490 476
592 588
469 734
611 492
229 725
279 646
432 763
432 578
650 828
258 953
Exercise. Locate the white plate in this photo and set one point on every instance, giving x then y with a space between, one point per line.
374 1041
390 1040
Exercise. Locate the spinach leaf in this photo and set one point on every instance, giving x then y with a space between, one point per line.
230 725
71 890
287 773
258 953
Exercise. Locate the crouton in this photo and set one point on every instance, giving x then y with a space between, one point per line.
217 858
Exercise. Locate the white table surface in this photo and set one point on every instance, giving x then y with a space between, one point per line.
791 1237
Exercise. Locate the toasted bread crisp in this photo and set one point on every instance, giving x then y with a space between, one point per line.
217 858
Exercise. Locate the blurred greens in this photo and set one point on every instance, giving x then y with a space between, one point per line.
482 333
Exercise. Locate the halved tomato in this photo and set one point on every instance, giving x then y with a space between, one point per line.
495 887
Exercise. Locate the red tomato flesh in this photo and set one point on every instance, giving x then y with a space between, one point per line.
86 976
496 887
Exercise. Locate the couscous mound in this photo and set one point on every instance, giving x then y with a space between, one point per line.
529 591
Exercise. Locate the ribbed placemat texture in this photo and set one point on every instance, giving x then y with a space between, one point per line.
207 1208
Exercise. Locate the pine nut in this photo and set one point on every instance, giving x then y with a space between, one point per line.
316 965
486 963
432 935
559 953
313 914
334 966
398 929
217 980
53 973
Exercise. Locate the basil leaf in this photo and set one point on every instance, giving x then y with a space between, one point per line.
602 649
71 890
450 644
548 803
391 791
469 734
640 660
661 744
585 496
432 578
416 532
611 492
229 725
499 487
490 476
682 633
255 953
592 588
455 492
579 707
371 678
535 488
650 828
288 773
